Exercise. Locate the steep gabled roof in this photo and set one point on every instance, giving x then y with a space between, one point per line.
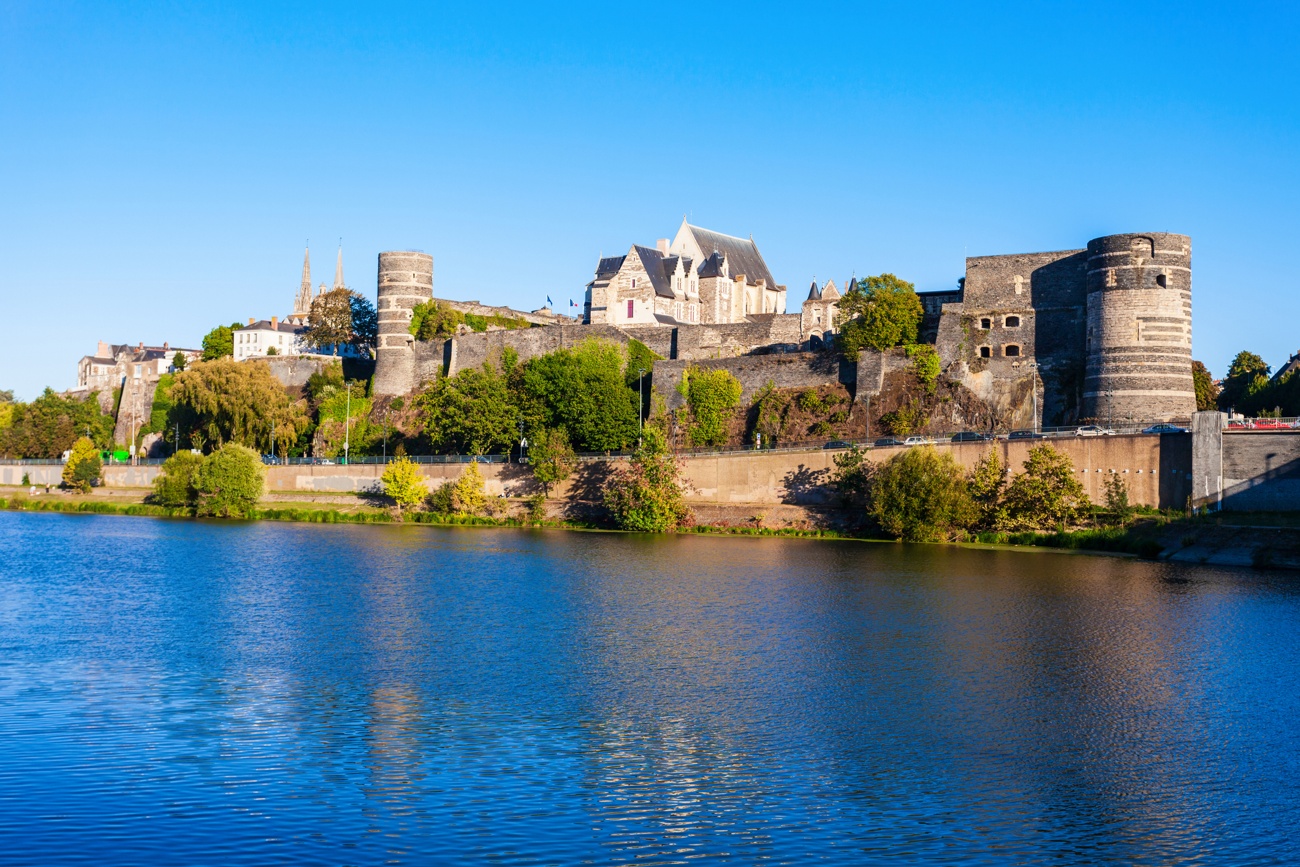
653 262
829 292
714 266
608 266
742 255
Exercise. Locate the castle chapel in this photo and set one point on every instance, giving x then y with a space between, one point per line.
702 277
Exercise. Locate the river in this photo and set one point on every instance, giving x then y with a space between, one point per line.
181 692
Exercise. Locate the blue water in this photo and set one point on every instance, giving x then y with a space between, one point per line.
175 692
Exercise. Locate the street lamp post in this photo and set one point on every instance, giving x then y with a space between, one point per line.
640 404
347 425
522 442
1033 387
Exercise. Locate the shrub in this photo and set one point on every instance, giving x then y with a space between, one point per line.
403 482
986 483
174 487
711 396
27 480
880 312
1046 495
84 466
920 495
647 494
851 478
925 364
809 400
229 482
768 415
535 508
1117 502
465 496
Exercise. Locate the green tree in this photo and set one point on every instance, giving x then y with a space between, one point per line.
465 496
49 425
330 321
1248 373
84 466
216 402
469 413
430 320
1207 393
365 324
1117 502
220 342
582 390
404 483
179 360
925 364
552 458
229 482
878 313
711 395
986 484
647 495
919 495
174 486
1046 494
851 478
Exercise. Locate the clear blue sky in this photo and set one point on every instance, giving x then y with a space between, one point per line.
161 167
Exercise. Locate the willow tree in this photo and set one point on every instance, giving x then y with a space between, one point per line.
224 401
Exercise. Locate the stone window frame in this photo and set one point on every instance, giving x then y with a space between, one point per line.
1012 350
986 352
986 323
1008 323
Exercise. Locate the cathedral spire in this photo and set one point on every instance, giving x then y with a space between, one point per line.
302 305
338 268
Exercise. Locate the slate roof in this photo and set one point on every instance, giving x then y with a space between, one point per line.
814 292
742 254
713 265
653 262
282 326
609 266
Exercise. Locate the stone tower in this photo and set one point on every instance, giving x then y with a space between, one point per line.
302 304
1139 328
405 279
338 270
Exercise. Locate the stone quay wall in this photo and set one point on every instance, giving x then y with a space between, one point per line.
1244 470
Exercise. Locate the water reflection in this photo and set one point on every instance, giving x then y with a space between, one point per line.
217 693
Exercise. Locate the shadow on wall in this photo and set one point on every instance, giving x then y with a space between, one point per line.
1261 472
1059 296
804 486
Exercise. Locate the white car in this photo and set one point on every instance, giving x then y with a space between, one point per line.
1093 430
916 441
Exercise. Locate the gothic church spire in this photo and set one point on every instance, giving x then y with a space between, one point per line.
302 305
338 269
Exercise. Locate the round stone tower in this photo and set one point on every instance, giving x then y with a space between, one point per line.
405 279
1139 337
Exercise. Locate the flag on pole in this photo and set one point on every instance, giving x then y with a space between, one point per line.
548 300
572 303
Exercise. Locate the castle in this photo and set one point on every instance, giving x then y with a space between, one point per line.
1101 332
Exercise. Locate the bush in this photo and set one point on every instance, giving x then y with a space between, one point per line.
851 478
535 508
986 483
711 396
647 495
229 482
552 459
925 364
27 480
920 495
809 400
84 466
1117 502
1046 495
174 487
403 482
465 496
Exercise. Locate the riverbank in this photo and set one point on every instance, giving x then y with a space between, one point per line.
1260 540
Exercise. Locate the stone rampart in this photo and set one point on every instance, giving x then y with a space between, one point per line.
784 370
293 371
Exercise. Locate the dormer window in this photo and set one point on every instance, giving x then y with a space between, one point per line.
1012 322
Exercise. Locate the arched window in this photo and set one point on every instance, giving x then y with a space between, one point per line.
1012 322
986 352
986 324
1011 351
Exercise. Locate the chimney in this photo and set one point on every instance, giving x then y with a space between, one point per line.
250 320
103 350
140 348
275 322
166 346
662 246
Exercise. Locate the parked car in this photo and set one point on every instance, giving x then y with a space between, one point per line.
838 444
970 436
1270 424
917 441
1164 429
1024 435
1093 430
270 459
886 442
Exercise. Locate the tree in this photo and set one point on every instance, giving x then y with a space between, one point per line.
465 496
179 360
330 320
647 495
1117 499
851 478
1207 393
49 425
1247 373
986 484
272 350
712 395
1046 494
229 482
878 313
365 324
552 458
429 320
469 413
220 342
84 466
584 391
919 495
223 401
404 483
174 486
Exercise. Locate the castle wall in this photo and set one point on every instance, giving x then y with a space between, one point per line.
1139 328
405 280
784 370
